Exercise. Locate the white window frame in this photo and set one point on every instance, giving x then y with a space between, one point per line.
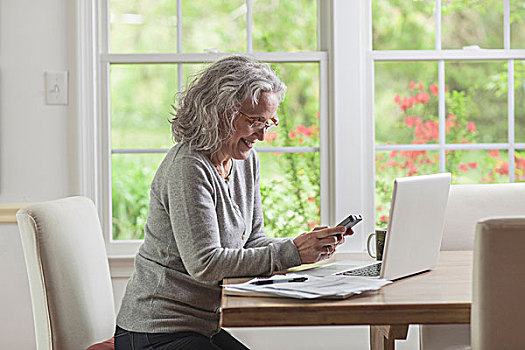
351 108
441 56
343 183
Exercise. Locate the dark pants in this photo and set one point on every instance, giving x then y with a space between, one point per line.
125 340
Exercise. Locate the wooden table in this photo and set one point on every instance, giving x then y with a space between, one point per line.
440 296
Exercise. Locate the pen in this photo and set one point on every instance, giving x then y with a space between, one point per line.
297 279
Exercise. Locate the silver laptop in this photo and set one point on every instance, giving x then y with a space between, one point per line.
414 232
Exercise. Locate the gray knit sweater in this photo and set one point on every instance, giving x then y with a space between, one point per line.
200 229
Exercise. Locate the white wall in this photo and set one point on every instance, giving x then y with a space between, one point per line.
37 141
38 161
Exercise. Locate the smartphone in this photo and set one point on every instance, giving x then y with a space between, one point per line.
350 221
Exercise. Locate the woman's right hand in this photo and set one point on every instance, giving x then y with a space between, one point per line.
318 244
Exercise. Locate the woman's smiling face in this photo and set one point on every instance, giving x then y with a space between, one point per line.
238 146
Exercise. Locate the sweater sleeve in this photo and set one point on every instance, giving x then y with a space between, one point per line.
204 250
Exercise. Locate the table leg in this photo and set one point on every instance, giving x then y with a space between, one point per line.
383 337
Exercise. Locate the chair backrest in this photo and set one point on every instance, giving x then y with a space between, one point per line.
69 279
467 204
498 310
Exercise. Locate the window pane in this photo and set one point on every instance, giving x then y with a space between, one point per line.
403 25
519 160
299 113
131 180
143 26
393 164
478 166
469 23
406 102
141 96
519 99
476 101
517 24
286 26
213 25
290 192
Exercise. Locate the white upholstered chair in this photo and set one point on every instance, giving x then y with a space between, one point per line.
69 279
467 205
498 310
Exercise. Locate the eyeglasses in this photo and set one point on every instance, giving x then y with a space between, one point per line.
258 125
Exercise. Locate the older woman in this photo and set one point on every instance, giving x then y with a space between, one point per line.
205 218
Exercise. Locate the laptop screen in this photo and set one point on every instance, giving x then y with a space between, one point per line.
415 226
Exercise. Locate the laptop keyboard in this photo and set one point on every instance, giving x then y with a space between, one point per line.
366 271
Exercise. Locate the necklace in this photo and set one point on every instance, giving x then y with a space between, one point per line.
224 171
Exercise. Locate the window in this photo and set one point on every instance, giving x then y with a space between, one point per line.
448 95
149 50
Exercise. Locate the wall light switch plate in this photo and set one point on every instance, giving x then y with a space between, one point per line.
56 88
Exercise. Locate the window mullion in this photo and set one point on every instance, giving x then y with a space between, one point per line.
456 55
441 112
438 24
326 152
511 113
249 25
447 146
506 24
179 26
258 149
179 45
273 57
104 147
510 89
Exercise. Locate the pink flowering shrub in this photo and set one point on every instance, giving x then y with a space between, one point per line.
417 107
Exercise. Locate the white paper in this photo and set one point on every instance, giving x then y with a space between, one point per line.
313 287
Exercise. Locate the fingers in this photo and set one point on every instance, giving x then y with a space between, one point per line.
329 231
320 243
349 233
330 240
328 251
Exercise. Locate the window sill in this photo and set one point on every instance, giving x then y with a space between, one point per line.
121 266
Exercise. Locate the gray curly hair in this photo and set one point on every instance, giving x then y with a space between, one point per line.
205 116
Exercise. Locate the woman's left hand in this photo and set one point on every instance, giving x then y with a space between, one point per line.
340 238
319 244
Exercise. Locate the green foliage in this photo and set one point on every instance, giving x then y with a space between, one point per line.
403 25
517 11
213 25
141 96
131 178
286 26
290 188
139 26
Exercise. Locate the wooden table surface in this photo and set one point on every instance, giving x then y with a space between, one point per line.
440 296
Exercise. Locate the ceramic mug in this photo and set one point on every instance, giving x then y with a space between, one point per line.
380 235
